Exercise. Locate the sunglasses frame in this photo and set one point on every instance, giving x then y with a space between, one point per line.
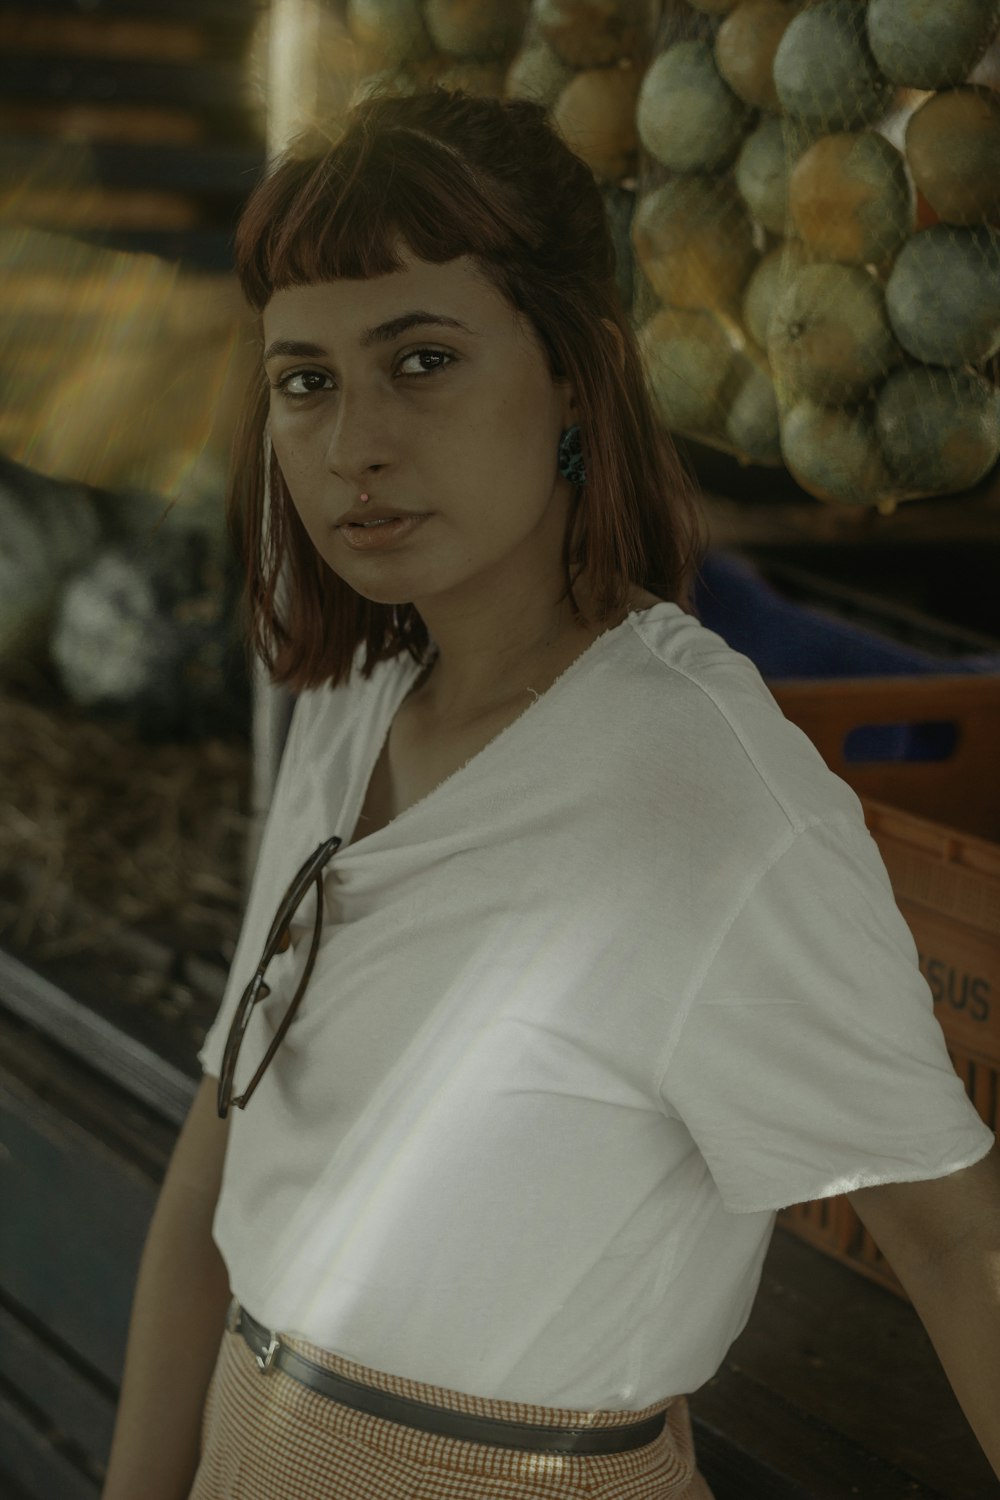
278 939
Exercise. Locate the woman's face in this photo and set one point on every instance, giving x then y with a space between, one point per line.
457 418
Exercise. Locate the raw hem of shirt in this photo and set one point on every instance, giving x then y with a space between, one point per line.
205 1063
859 1180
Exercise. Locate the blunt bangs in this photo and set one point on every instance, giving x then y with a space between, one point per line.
348 214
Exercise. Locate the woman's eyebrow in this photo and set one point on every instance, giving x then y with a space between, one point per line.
382 334
395 326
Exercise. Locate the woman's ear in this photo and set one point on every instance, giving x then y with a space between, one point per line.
616 331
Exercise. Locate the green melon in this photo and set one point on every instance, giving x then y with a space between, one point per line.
930 44
694 241
688 358
762 173
834 453
824 72
771 275
593 33
829 337
688 117
939 429
745 45
851 199
943 295
390 30
595 115
475 28
537 73
752 423
953 148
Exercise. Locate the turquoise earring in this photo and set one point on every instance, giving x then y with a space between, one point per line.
571 465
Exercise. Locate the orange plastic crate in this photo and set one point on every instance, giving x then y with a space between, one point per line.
937 825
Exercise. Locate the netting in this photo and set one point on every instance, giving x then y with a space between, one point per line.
805 199
816 228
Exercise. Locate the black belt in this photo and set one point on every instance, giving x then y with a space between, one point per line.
272 1354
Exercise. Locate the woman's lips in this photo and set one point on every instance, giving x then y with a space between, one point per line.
385 534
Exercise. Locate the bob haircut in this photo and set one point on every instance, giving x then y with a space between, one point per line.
490 179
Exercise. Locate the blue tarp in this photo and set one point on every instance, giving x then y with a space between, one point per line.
786 639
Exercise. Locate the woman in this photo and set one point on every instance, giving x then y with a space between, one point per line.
595 965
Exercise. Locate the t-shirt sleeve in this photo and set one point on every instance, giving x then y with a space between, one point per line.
270 880
810 1062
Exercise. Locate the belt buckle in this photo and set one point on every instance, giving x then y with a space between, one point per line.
265 1360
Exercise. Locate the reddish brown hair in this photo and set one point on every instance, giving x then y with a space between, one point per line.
487 178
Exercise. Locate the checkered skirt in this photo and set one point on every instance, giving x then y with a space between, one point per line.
266 1437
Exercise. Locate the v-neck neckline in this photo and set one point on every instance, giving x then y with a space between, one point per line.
404 684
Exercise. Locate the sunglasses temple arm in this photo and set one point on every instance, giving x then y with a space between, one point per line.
276 1040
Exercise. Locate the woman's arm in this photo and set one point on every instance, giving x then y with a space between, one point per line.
942 1239
178 1313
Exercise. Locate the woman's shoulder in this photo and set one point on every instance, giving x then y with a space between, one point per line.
713 710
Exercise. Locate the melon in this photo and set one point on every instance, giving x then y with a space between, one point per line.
595 115
593 33
391 31
536 72
824 72
930 44
762 173
953 148
770 276
688 117
752 423
829 338
688 358
745 45
943 295
834 453
475 28
694 241
851 199
939 429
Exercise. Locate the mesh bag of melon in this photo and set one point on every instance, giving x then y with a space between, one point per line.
584 60
818 233
458 44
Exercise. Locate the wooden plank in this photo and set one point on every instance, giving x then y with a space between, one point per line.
209 168
746 504
835 1348
74 1223
30 1461
240 14
734 522
79 1410
112 1116
94 1041
208 250
100 35
216 88
754 1445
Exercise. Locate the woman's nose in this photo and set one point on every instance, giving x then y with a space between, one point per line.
358 442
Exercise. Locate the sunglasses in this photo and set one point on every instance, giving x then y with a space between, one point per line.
278 939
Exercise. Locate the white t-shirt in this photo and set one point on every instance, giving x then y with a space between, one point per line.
581 1020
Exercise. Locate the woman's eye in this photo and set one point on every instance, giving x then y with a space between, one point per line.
439 361
303 383
419 363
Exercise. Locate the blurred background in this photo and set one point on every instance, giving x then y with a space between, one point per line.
805 204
